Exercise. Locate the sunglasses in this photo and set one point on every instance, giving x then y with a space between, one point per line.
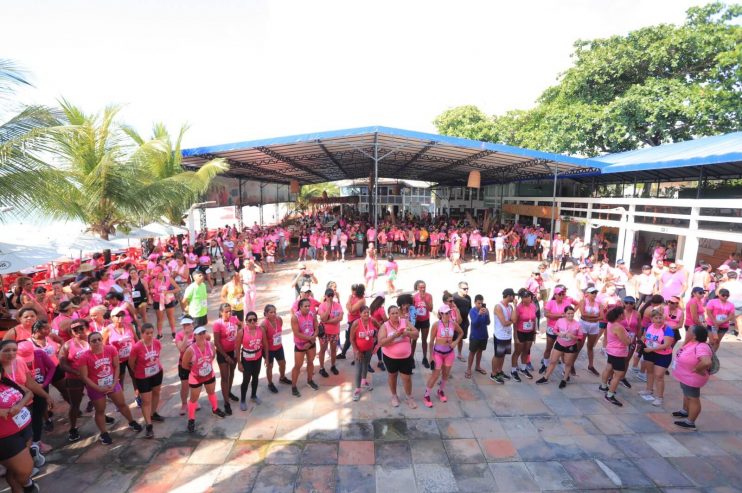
723 296
252 319
465 289
97 339
629 303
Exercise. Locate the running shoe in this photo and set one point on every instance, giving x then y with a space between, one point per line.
427 400
110 420
134 426
527 374
243 406
685 424
149 433
370 370
625 383
515 375
138 400
233 397
227 409
657 402
542 370
425 363
368 386
529 367
680 414
284 380
603 388
324 373
313 385
335 371
38 459
341 356
295 392
74 435
191 425
562 384
645 392
272 388
497 379
356 394
612 399
106 439
157 418
256 400
642 377
591 369
31 488
442 396
218 412
504 375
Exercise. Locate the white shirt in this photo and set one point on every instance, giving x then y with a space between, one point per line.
502 332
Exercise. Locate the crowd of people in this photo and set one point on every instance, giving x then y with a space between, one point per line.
84 338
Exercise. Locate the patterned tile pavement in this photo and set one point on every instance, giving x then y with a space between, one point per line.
516 437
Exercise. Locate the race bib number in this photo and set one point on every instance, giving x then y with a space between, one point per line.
527 325
38 376
136 294
208 271
22 418
721 318
421 310
277 339
205 370
124 352
106 381
151 371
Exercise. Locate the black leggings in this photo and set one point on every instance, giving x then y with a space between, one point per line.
346 344
251 372
38 409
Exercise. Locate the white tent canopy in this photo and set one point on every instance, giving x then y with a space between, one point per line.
16 258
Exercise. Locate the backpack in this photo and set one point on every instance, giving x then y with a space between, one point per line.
715 363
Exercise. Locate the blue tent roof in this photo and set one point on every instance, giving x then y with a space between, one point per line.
347 154
721 153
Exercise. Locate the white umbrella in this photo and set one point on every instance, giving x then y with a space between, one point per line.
78 245
15 258
161 229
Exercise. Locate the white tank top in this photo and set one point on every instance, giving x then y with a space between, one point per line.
500 332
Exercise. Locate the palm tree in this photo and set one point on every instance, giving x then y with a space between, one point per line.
166 178
24 142
310 191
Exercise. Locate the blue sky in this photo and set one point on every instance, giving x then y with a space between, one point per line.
240 70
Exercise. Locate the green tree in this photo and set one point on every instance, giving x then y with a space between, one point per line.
311 191
25 133
175 187
656 85
111 179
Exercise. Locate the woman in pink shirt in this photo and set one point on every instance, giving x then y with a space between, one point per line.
144 362
617 349
691 370
719 312
658 341
225 330
252 350
395 338
695 313
198 360
330 313
554 309
304 328
526 326
568 334
273 327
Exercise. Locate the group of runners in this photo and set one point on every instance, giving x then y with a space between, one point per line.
84 341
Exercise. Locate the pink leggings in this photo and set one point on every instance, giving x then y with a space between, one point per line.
442 360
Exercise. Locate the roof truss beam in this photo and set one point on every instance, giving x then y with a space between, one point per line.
283 178
292 162
332 158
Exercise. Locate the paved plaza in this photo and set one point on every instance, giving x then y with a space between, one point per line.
517 437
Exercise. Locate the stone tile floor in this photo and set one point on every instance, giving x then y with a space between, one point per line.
516 437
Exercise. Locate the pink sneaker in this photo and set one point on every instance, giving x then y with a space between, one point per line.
428 401
442 396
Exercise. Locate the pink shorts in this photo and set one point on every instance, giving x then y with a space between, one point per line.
444 359
94 395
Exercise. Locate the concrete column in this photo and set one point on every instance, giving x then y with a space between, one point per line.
588 229
629 236
517 216
535 220
621 238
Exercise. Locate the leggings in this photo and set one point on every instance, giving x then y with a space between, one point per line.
362 367
37 416
346 344
252 372
485 251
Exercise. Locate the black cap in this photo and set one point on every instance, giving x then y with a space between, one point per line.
508 292
698 289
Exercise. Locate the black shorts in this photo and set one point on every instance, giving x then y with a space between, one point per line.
257 256
617 362
502 347
58 374
403 366
526 336
566 350
183 373
422 324
477 345
198 385
156 305
14 444
465 330
240 314
297 350
326 248
200 321
221 360
149 383
663 360
551 336
277 354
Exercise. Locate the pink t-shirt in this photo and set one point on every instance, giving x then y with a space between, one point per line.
614 345
335 310
526 317
672 283
226 332
674 323
719 311
554 306
700 312
100 366
687 359
655 336
148 359
400 347
564 327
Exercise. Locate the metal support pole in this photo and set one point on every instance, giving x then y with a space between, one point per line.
261 203
553 201
238 208
202 214
376 181
700 184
